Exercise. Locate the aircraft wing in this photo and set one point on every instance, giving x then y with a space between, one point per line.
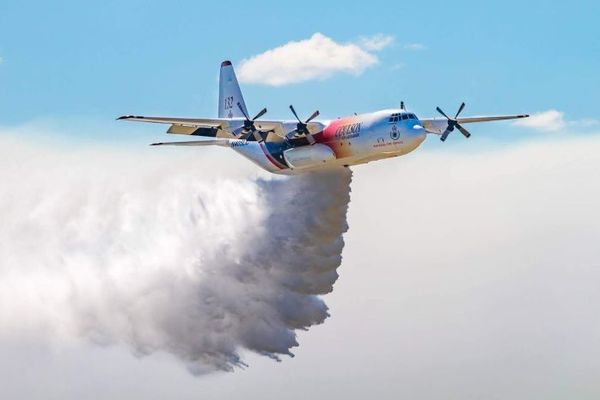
468 120
438 125
175 120
208 127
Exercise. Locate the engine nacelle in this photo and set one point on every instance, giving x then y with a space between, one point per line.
309 156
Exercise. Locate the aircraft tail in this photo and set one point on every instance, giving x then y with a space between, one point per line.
230 93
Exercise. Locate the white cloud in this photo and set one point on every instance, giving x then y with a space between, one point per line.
554 121
547 121
415 46
377 42
584 123
318 57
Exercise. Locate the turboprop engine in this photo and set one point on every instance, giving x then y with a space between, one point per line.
309 156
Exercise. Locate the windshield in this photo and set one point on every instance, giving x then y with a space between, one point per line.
401 117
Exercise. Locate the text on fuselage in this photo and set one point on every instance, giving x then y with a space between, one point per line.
348 131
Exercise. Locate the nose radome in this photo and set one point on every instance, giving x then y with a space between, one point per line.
418 129
419 132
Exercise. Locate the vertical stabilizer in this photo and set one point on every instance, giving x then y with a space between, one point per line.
230 93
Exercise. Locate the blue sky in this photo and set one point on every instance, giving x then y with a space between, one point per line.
81 64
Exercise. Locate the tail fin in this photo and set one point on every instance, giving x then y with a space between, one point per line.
230 93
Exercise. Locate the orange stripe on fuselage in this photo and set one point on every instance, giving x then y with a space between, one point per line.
332 137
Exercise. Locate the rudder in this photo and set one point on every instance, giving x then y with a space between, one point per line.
230 93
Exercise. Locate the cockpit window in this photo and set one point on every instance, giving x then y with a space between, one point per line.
401 117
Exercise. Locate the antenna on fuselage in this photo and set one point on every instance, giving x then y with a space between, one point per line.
402 106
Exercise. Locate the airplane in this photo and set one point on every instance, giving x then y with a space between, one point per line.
298 146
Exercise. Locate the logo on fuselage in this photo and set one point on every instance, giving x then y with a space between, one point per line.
238 143
395 133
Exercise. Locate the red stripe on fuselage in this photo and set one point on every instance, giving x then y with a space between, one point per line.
269 157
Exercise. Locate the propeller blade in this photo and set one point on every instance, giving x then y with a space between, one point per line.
258 136
462 107
452 123
445 134
441 112
301 127
290 135
244 135
294 112
313 116
260 114
242 110
463 131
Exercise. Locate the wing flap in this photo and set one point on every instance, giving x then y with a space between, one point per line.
193 130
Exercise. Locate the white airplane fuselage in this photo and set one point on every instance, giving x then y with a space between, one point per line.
347 141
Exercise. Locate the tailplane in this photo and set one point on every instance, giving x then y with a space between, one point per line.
229 93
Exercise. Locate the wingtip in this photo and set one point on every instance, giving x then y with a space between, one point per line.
130 117
156 144
225 63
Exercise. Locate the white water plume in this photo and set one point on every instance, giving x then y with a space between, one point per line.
152 252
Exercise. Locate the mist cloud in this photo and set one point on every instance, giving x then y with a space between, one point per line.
125 248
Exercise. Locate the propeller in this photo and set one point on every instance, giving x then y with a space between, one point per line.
302 127
249 128
453 123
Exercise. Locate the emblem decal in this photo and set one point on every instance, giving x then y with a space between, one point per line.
395 134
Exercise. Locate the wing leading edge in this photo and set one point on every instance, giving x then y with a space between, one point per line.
438 125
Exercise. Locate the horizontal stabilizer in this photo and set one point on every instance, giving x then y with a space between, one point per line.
209 142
